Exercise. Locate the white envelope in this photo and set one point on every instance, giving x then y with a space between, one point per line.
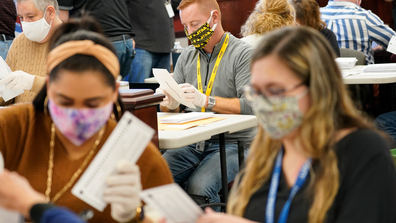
7 94
169 85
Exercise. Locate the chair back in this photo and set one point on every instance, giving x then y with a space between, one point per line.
354 53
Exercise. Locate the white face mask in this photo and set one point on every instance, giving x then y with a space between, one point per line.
36 31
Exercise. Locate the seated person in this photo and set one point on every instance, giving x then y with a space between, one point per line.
197 166
27 56
315 159
52 141
308 14
267 15
355 27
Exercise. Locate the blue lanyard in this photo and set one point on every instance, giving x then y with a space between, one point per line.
302 176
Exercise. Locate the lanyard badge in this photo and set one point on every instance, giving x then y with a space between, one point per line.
302 176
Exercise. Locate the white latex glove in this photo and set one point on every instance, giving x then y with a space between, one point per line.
122 191
191 94
18 80
168 101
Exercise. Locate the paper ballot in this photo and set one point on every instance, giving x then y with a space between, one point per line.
171 202
392 45
7 94
127 142
169 85
5 215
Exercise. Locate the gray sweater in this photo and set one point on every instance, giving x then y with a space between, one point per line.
233 74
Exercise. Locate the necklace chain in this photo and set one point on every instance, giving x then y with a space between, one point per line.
75 175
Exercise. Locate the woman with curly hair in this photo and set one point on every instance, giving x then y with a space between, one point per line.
267 16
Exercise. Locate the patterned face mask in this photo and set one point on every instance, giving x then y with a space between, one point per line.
78 125
202 35
279 116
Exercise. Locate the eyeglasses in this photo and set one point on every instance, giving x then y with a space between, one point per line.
271 96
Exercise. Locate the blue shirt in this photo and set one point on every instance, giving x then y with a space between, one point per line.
356 28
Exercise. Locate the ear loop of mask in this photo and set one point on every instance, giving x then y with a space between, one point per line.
210 18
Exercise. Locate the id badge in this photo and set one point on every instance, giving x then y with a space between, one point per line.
169 9
392 45
200 146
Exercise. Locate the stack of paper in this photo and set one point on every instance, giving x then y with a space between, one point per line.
5 215
187 117
7 94
346 62
378 68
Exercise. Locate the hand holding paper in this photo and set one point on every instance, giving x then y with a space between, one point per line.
191 94
5 93
123 190
168 101
18 80
169 85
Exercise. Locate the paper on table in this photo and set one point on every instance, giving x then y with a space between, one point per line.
169 85
7 94
172 203
168 127
346 62
187 117
378 68
5 215
127 142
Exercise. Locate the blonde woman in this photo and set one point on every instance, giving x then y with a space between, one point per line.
314 159
267 16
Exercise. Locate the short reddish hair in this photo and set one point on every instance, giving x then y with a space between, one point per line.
205 5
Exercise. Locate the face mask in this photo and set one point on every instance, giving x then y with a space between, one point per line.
78 125
36 31
202 35
279 116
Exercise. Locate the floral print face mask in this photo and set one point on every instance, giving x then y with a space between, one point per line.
78 125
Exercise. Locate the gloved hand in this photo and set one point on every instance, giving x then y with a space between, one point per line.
122 191
191 94
168 101
18 80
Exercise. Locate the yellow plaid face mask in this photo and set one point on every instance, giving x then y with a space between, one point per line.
202 35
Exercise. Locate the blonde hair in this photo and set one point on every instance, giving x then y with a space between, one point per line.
206 5
269 15
308 14
308 54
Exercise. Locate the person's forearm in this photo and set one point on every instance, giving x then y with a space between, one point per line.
38 84
166 109
227 105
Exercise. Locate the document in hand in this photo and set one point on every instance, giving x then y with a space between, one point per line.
7 94
168 84
187 117
5 215
392 45
171 202
378 68
127 142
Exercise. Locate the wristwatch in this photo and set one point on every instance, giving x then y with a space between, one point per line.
211 102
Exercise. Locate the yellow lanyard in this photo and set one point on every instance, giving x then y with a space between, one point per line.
214 71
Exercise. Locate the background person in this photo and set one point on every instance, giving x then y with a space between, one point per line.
313 151
308 14
52 141
7 26
267 16
27 57
197 166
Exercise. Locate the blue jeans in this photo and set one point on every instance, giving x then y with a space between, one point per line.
199 171
4 47
125 54
387 122
144 62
